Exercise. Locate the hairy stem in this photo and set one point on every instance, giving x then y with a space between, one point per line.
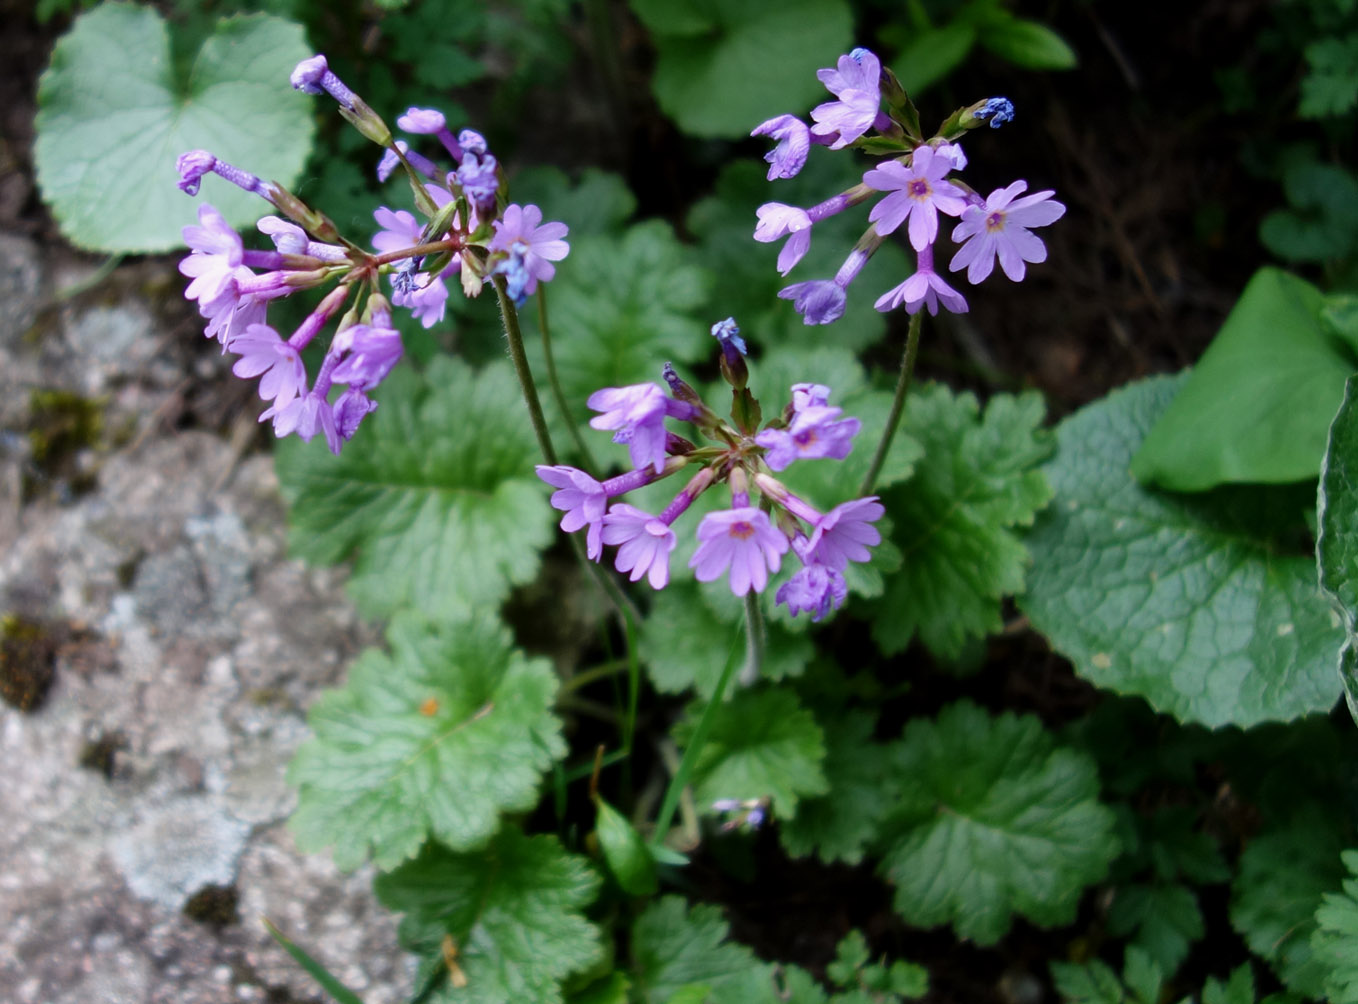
897 403
516 354
555 383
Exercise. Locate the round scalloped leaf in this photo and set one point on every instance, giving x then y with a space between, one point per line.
114 112
509 915
435 498
437 738
721 69
1206 605
1337 545
992 819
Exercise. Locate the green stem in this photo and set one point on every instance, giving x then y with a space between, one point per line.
695 748
754 639
530 392
588 676
897 403
555 383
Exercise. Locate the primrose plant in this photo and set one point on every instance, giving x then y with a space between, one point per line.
469 746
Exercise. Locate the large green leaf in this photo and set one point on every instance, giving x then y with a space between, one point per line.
955 521
1282 878
762 744
1205 605
1256 408
674 948
1334 945
435 498
1025 43
114 113
436 738
1337 544
511 910
992 819
722 68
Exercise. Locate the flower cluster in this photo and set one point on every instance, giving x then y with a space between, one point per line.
748 541
469 232
917 183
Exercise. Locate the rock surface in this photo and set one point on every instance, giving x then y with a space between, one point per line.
144 797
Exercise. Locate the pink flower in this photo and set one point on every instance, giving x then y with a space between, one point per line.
582 499
261 350
845 533
645 543
917 193
742 540
1001 229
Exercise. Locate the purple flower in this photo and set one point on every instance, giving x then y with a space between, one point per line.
996 111
845 533
1001 229
305 415
776 221
809 395
742 540
540 244
638 413
214 237
815 589
925 288
422 121
261 350
401 230
479 177
819 301
794 142
349 409
814 432
727 332
645 543
582 499
373 350
918 192
856 82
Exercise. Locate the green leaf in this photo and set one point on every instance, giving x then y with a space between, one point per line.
437 738
713 74
685 642
512 910
612 989
839 825
954 520
114 114
1093 982
435 498
625 853
329 982
1206 605
598 202
1256 407
1239 989
673 948
1334 945
932 54
1026 43
993 819
1282 878
1166 921
762 745
624 307
1337 543
1331 88
1322 221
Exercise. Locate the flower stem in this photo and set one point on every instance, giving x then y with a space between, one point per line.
754 639
897 403
691 754
516 354
555 383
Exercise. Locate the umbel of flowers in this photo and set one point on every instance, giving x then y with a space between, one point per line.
468 234
748 541
917 182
